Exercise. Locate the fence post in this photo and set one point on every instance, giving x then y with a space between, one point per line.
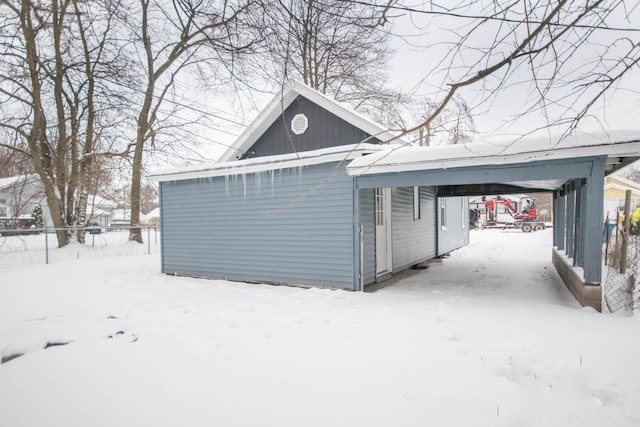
148 240
606 238
625 232
46 245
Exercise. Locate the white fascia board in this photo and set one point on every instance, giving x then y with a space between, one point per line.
481 154
625 181
621 188
266 163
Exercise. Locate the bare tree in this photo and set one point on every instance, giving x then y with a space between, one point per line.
571 54
170 38
13 163
339 48
632 174
454 125
148 198
53 53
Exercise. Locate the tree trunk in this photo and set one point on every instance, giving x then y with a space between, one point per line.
37 139
135 233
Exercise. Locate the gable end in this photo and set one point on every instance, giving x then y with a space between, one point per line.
325 129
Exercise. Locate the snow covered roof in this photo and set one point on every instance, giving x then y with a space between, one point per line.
260 164
280 102
6 182
616 145
154 213
12 180
100 202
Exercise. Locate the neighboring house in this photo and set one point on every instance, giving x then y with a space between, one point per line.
615 188
19 195
151 218
121 218
280 207
100 210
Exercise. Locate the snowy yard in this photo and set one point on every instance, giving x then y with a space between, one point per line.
43 247
489 337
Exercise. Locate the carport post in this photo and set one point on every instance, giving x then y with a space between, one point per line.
581 206
559 219
592 195
358 242
571 213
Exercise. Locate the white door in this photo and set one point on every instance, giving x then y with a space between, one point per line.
383 231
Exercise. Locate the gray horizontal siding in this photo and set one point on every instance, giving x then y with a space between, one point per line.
456 233
414 240
284 226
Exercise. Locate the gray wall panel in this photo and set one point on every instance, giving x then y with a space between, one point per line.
456 233
283 226
413 239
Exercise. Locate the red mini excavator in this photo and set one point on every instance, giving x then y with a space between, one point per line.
525 218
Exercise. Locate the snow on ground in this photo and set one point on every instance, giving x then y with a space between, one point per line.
43 247
490 336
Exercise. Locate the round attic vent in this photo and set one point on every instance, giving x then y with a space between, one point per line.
299 124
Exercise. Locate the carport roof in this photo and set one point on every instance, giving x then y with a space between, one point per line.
621 148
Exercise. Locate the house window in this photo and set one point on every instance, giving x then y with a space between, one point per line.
443 213
416 203
379 206
3 211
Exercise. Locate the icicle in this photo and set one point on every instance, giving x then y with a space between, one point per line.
226 185
257 182
244 185
272 177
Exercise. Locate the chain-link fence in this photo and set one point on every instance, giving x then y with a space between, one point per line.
40 246
621 281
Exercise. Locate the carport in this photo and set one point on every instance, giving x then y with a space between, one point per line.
573 169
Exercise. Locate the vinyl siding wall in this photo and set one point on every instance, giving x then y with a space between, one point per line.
282 226
456 232
414 240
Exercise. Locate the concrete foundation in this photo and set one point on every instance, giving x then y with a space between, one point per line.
587 294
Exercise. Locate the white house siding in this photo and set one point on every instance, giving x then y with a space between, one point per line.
291 226
367 219
456 232
414 240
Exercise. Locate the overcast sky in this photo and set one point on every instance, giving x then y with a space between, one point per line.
416 68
